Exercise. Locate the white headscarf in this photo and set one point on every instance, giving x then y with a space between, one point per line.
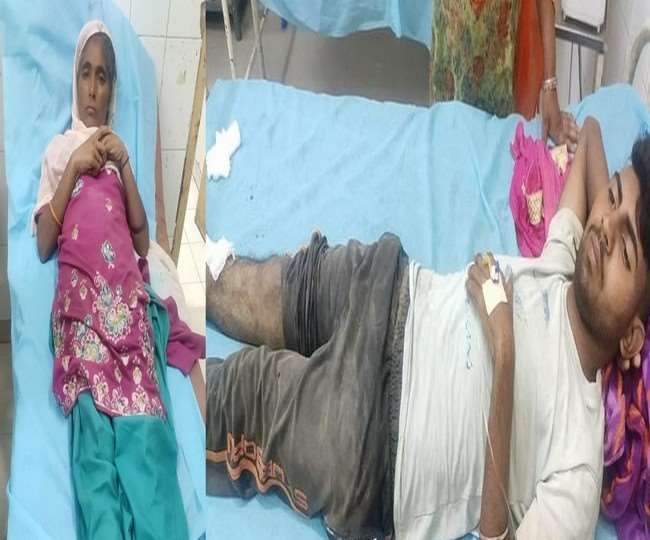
60 149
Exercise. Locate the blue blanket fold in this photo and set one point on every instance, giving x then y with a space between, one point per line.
338 18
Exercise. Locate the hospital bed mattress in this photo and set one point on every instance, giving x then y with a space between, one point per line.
37 72
439 177
337 18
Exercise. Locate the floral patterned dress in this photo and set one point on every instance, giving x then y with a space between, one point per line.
473 53
102 337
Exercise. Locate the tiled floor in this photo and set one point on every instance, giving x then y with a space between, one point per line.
373 64
191 265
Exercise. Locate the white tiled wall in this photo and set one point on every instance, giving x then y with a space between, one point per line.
191 259
170 32
624 20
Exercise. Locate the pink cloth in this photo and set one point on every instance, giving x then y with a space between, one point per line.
103 340
184 347
534 172
626 480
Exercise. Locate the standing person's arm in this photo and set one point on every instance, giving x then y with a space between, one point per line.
135 214
498 328
88 158
561 127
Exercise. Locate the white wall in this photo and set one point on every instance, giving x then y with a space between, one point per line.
170 31
624 20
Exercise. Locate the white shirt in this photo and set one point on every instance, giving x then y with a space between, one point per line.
556 454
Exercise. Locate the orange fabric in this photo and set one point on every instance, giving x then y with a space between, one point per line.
529 60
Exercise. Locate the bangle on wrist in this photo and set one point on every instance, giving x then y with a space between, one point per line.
54 216
549 84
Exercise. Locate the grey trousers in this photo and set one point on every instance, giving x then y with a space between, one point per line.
318 422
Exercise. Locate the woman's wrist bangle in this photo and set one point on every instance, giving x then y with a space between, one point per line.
549 84
54 216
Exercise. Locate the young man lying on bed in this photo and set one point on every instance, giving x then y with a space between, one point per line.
390 398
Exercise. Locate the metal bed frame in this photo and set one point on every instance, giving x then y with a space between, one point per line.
258 28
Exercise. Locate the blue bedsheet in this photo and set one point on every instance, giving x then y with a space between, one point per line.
439 177
39 41
337 18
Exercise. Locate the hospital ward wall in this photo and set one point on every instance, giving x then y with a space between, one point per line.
625 18
170 32
624 21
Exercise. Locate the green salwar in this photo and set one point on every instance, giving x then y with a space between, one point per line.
124 468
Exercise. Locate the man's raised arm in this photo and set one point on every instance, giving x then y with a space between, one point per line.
588 172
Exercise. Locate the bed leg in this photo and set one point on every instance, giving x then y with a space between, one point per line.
258 35
226 23
598 75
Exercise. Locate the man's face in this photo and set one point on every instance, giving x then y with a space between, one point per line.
93 86
611 270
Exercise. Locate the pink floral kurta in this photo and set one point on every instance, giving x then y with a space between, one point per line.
103 340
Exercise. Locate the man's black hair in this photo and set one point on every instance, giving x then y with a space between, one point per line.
641 166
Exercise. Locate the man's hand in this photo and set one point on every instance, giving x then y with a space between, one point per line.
588 173
497 325
625 365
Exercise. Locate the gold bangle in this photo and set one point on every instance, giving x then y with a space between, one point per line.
54 214
549 84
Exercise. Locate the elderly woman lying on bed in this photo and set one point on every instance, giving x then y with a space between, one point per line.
390 398
110 332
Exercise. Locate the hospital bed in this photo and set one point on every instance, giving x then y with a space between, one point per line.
438 177
335 18
37 72
338 18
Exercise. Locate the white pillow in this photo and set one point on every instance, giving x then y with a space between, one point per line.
164 278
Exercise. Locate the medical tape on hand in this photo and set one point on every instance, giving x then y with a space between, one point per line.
493 295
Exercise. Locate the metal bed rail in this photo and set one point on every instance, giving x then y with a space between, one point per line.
258 28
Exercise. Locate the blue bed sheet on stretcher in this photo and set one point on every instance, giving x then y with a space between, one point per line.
438 177
37 76
337 18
